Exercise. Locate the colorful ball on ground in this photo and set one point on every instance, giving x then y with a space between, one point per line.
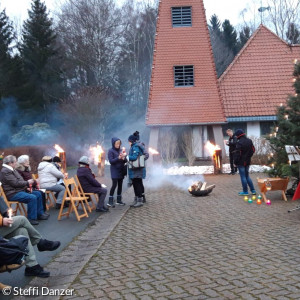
246 198
268 202
250 200
258 201
259 197
253 197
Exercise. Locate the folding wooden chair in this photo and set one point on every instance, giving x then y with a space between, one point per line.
50 196
89 195
19 206
74 198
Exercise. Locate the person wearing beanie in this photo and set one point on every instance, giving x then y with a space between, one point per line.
90 184
242 159
136 175
117 160
49 176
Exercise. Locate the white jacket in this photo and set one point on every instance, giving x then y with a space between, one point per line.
48 174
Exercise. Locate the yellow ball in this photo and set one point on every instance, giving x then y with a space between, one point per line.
246 198
253 197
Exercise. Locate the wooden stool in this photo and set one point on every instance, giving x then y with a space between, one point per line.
276 184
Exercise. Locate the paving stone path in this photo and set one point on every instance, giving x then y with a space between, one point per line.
183 247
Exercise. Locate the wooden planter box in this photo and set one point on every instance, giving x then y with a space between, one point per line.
277 184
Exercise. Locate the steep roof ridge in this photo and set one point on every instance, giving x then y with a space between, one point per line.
261 26
153 61
240 52
213 61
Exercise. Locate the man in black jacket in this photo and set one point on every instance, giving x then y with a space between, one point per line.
232 145
242 159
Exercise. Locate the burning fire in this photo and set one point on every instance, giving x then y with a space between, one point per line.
212 148
212 151
58 148
153 151
97 152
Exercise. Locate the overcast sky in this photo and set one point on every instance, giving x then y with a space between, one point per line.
224 9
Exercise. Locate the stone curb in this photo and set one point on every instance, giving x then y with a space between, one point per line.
66 266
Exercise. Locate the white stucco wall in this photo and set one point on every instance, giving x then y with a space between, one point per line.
253 129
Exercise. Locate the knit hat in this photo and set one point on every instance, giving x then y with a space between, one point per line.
134 137
47 158
56 159
239 132
84 160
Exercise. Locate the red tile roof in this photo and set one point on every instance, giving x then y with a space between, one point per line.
260 77
169 105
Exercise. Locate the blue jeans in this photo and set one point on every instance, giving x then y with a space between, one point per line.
245 178
34 203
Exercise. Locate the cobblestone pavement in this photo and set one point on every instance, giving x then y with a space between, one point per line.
182 247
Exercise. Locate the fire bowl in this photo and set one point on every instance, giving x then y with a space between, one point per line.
199 193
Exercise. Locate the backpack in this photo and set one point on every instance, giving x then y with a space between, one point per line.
13 251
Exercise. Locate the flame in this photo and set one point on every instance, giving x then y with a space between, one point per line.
153 151
212 148
58 148
96 153
212 151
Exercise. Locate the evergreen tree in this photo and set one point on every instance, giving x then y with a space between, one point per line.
288 132
293 34
40 62
215 24
6 61
244 36
230 36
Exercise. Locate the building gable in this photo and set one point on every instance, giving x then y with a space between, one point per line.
184 88
260 77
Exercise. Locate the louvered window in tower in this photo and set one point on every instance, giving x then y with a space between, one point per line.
182 16
184 75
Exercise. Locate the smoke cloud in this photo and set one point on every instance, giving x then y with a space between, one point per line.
156 178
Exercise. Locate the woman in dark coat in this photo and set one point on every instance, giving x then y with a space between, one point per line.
117 160
90 184
24 170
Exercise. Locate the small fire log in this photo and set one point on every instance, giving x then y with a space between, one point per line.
200 188
217 158
101 164
62 156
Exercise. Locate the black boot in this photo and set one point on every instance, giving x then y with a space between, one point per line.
45 245
119 200
36 270
144 198
111 202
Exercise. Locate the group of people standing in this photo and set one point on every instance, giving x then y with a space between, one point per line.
241 149
121 165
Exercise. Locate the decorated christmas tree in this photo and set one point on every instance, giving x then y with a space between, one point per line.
287 132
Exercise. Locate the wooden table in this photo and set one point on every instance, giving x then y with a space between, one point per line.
277 184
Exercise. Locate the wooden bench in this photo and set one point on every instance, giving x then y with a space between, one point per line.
276 184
